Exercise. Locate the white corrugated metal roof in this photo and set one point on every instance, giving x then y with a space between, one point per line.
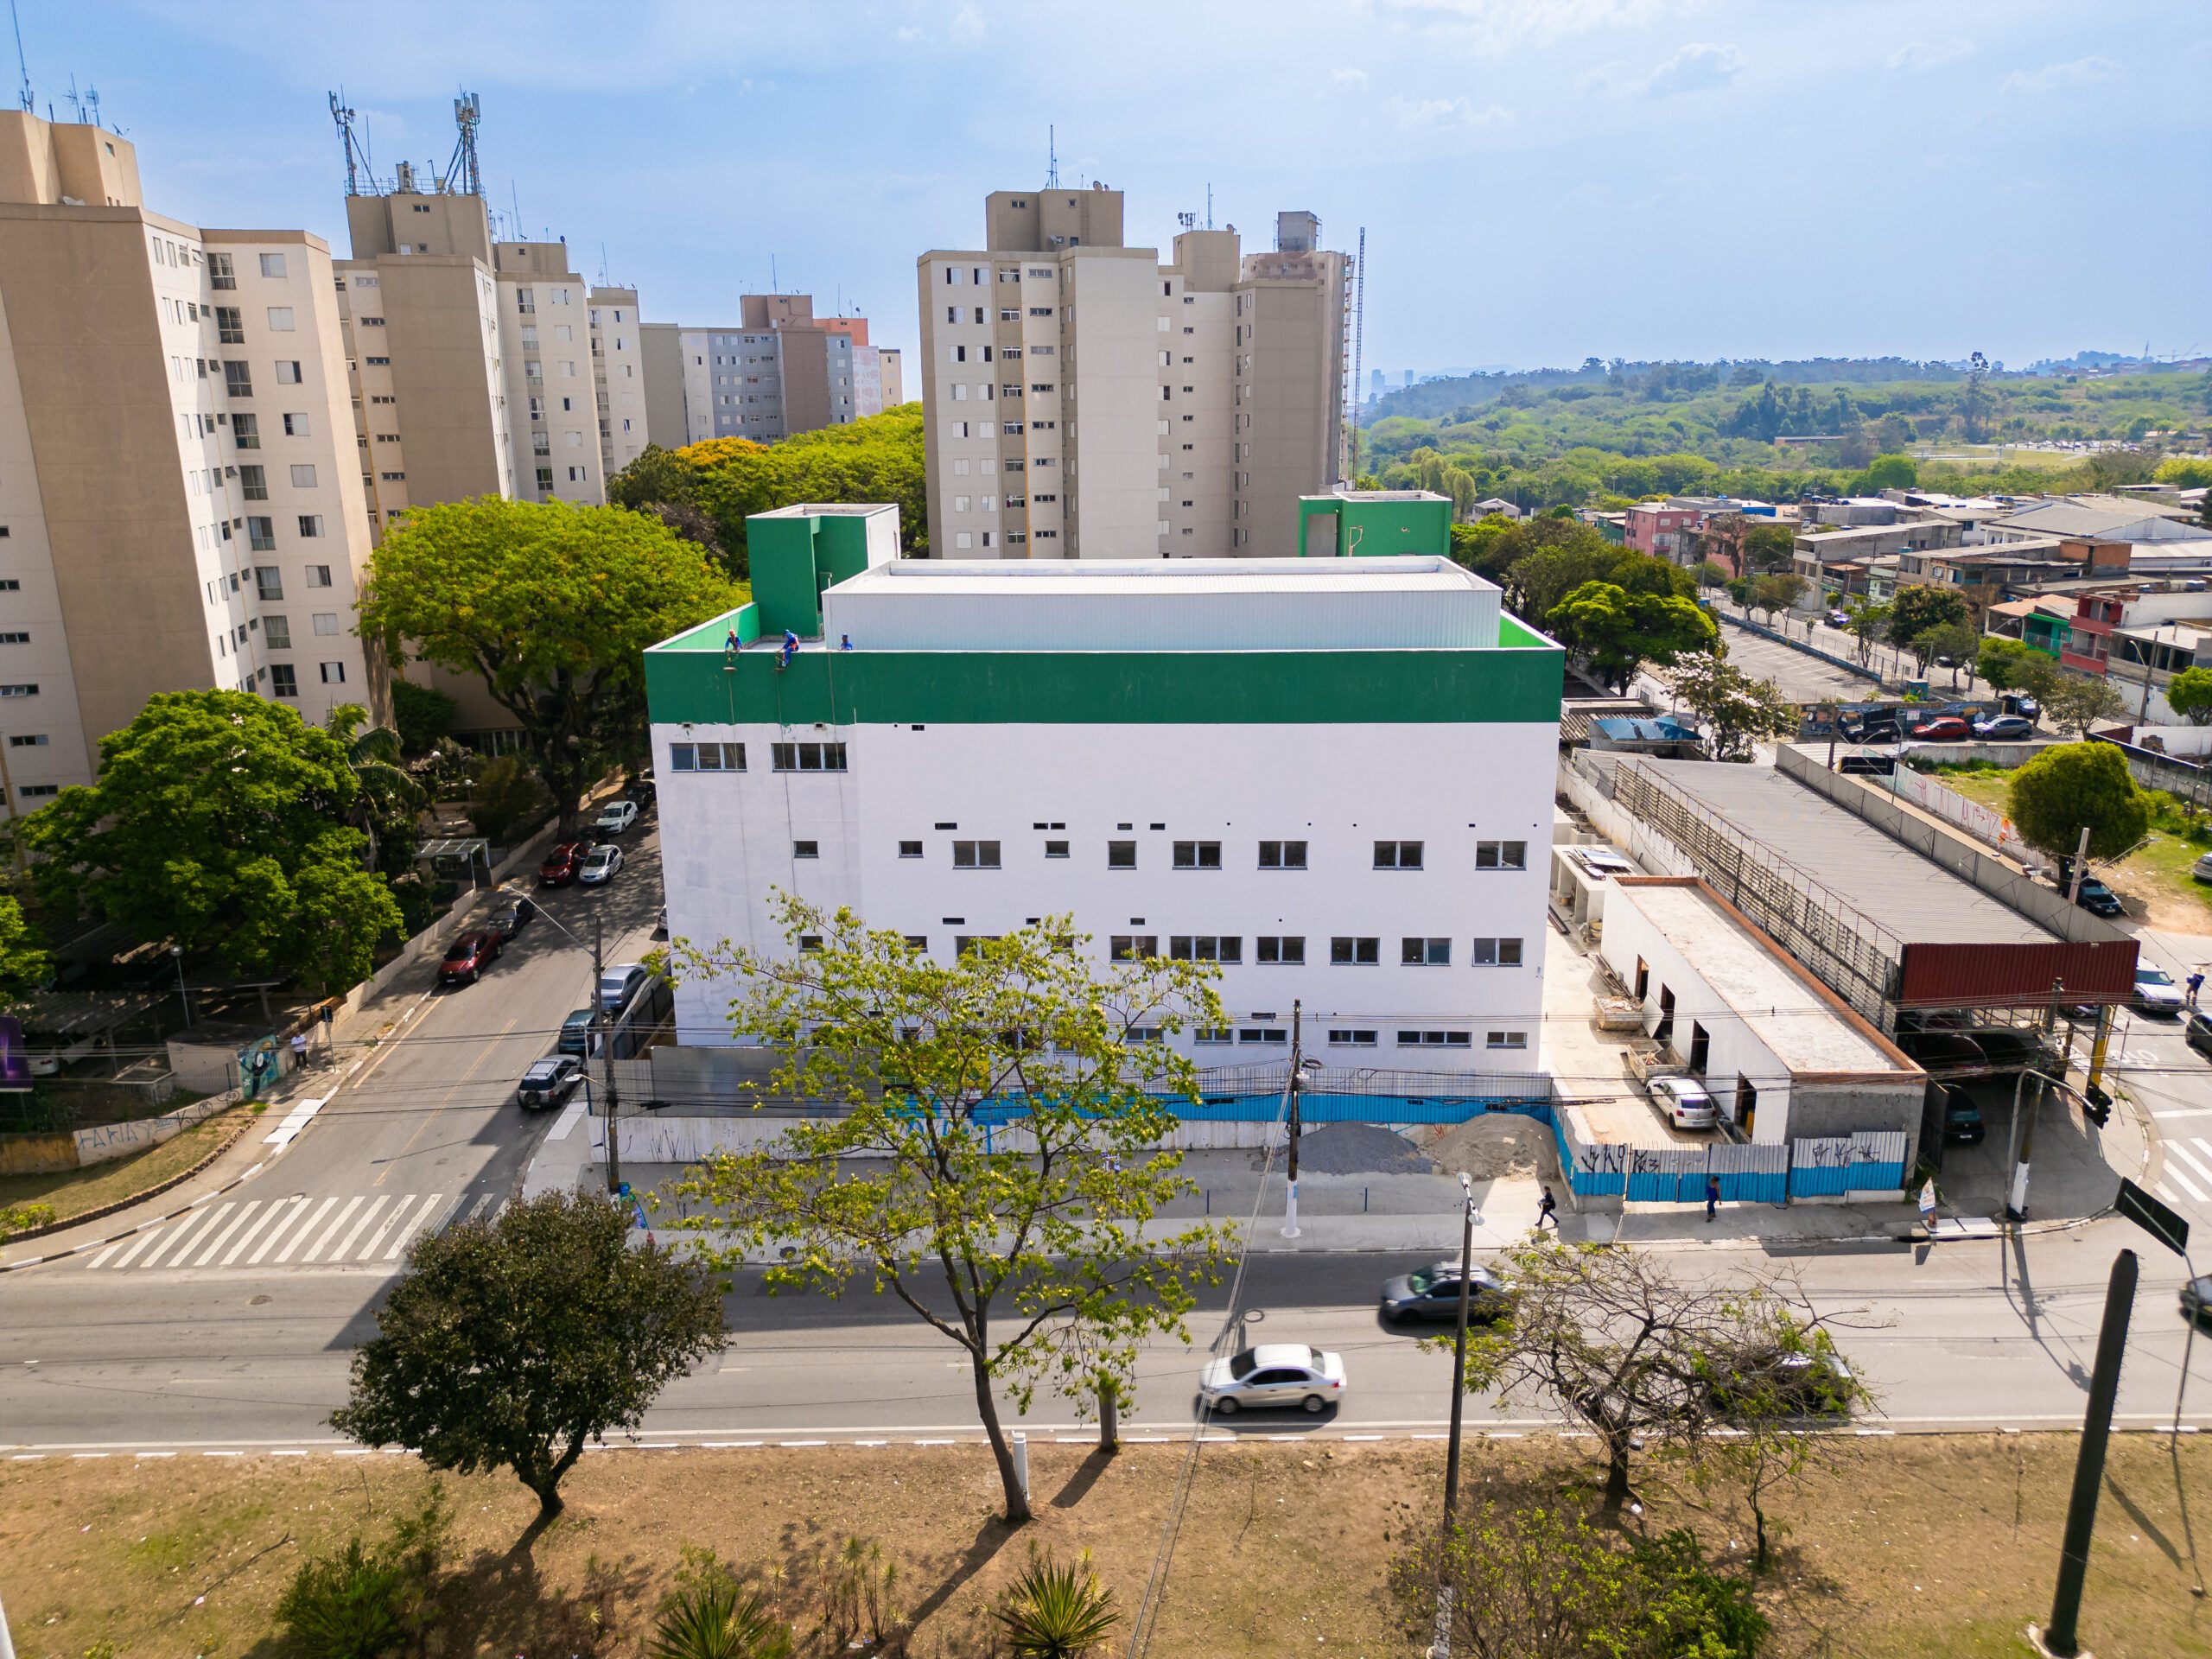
1401 603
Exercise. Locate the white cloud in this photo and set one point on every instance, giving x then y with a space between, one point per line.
1349 77
1916 57
1497 26
967 25
908 34
1695 68
1446 114
2082 72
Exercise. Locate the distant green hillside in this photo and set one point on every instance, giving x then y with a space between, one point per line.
1606 435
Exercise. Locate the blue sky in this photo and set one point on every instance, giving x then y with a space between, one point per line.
1541 180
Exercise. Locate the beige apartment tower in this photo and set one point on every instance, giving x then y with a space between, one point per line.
1083 399
181 506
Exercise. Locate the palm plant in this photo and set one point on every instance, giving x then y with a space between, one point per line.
1055 1612
716 1620
372 753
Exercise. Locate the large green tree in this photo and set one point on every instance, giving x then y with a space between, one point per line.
718 484
550 606
1736 710
991 1150
219 820
2077 702
1956 641
1617 631
1768 547
516 1342
2072 787
2190 694
1918 606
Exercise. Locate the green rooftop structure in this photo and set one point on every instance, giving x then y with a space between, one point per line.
1364 523
796 552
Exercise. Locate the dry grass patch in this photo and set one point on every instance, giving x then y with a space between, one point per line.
77 1192
1922 1546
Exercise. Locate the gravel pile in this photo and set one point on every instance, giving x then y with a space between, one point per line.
1357 1149
1492 1146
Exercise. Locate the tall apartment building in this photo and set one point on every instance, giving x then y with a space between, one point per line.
778 370
181 506
1082 399
485 368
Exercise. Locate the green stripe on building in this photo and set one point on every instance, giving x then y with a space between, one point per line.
1518 683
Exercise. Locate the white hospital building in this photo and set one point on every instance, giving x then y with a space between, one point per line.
1332 776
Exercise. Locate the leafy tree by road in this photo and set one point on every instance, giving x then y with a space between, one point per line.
1997 661
992 1162
1777 593
2190 694
1735 709
1768 547
422 716
2072 786
550 606
515 1344
1916 607
1611 1338
1869 622
1617 631
1707 574
1955 640
388 799
219 821
2077 702
24 963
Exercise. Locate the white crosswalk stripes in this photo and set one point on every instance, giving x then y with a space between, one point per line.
295 1232
2189 1169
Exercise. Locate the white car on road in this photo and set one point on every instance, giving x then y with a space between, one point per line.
615 818
1685 1103
2155 990
1274 1374
599 865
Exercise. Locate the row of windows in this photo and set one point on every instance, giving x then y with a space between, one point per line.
730 757
1290 950
1207 855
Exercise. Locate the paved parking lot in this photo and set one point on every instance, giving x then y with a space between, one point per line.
1802 678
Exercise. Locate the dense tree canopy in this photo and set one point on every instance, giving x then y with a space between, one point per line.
2071 786
552 606
714 485
219 821
1618 632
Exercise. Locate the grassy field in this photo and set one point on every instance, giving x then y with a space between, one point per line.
74 1191
1915 1547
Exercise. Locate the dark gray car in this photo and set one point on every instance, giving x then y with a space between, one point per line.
1433 1294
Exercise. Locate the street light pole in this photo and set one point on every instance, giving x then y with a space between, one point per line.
1290 1203
1440 1648
182 989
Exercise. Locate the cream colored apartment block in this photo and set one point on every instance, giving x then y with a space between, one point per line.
1081 399
179 497
617 377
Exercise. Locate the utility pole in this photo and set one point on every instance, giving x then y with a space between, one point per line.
2090 1462
1290 1204
1440 1648
606 1033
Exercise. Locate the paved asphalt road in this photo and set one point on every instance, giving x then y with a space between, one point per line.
239 1334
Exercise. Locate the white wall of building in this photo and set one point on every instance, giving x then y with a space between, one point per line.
728 839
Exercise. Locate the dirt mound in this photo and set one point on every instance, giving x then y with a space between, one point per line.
1490 1148
1357 1149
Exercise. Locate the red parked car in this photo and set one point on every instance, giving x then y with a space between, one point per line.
1948 729
562 864
467 956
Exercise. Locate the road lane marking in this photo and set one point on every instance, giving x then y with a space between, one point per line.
2174 1148
331 1232
276 1207
2183 1182
145 1239
2184 1111
399 1240
571 1115
222 1238
369 1247
460 1083
295 1236
178 1233
106 1253
367 1216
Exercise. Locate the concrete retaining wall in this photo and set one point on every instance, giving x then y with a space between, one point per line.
58 1153
658 1139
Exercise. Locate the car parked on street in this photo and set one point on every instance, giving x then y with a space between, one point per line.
549 1082
1962 1125
619 983
2155 990
2097 898
599 867
575 1032
2203 868
1684 1102
469 956
2004 728
1944 729
615 818
562 862
1433 1293
2196 1032
1809 1384
1274 1374
509 917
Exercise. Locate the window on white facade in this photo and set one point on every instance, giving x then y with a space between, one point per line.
1346 950
272 265
1501 855
1496 953
1290 950
1282 854
1397 854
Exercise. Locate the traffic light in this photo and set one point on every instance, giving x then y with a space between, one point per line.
2096 1105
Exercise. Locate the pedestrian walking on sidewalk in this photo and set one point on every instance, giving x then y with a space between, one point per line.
1547 1208
1712 1196
2196 983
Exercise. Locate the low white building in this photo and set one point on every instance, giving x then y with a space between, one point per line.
1333 777
1783 1058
